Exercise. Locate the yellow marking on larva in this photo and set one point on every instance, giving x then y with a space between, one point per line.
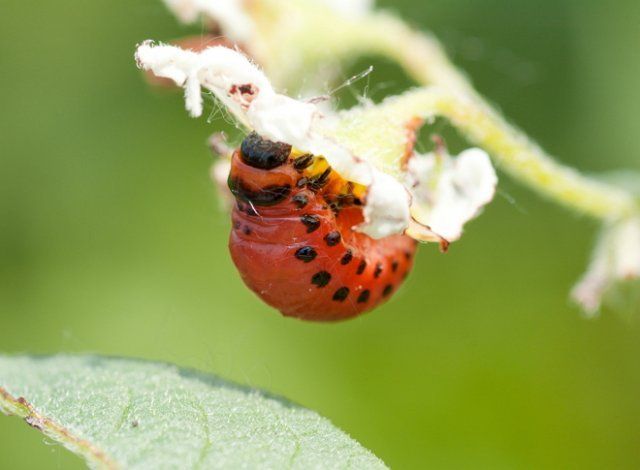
336 185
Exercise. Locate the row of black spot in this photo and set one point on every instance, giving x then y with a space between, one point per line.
308 254
322 278
342 293
315 183
245 228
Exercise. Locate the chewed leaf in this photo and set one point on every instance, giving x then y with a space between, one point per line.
120 413
244 89
247 93
447 192
370 145
450 191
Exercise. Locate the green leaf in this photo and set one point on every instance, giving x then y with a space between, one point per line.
122 413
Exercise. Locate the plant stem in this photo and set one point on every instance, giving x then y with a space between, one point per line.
453 97
21 407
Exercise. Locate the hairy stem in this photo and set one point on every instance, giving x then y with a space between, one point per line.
453 97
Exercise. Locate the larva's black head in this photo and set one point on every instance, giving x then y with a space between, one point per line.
262 153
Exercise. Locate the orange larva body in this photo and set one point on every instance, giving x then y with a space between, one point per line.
292 238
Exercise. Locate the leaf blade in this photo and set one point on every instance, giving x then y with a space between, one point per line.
137 414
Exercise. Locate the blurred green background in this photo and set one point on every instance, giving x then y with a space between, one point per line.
112 241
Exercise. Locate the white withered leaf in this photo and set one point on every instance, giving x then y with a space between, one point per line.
430 198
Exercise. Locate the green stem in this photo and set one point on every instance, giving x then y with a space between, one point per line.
454 98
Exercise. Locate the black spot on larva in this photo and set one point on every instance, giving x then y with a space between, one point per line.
361 267
312 222
341 294
346 259
250 210
246 230
262 153
378 270
246 208
300 200
236 224
407 255
317 182
335 208
306 254
332 238
394 266
302 162
387 290
364 296
343 200
267 196
321 278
